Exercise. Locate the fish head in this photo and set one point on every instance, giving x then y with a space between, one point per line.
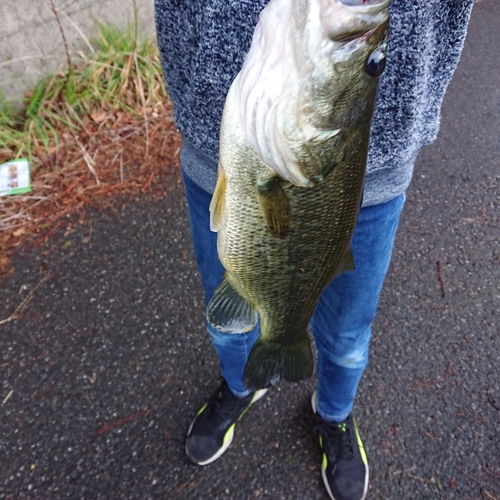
348 62
304 97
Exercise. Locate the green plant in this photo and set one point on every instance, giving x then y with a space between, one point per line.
121 73
11 129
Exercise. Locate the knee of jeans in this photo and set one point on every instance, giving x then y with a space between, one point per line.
349 349
355 360
348 352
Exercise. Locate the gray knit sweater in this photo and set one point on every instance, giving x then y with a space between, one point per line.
203 43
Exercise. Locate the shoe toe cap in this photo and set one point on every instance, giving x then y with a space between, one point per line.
201 448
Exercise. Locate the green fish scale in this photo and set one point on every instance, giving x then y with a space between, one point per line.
284 278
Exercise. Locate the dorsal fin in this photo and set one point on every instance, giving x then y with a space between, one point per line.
218 205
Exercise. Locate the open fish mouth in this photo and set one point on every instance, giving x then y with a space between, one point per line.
347 20
369 4
365 7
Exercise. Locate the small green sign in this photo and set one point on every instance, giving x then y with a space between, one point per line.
15 177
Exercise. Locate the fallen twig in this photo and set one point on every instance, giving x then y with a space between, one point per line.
66 48
430 308
416 387
491 473
143 190
491 497
492 401
404 471
432 480
88 202
25 302
7 397
106 428
38 241
448 373
469 476
89 161
440 278
143 102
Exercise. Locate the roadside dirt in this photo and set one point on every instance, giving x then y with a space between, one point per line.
116 157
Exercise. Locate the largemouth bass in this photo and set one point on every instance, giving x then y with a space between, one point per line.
293 149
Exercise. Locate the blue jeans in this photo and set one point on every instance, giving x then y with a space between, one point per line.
341 324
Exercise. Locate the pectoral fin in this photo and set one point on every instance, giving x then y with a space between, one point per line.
229 312
275 207
217 205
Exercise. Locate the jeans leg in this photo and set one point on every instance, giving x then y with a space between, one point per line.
204 240
341 324
232 349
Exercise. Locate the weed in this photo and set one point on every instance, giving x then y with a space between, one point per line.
87 131
121 73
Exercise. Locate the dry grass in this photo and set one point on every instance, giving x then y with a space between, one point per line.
102 128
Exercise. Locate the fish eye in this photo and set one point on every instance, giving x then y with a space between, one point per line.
375 64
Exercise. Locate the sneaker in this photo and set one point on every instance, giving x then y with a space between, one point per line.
212 430
345 466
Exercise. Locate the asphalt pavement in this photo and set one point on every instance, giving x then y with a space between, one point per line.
106 367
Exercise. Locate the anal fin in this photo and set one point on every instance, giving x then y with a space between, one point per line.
230 312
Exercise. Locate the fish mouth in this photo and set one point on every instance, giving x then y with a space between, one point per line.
368 6
358 18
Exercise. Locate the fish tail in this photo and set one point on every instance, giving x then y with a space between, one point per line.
270 361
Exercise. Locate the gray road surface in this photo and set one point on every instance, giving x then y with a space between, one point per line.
102 375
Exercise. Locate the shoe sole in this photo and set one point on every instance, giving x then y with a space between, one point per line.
228 438
323 470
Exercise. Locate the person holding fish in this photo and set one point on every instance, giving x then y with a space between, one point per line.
295 181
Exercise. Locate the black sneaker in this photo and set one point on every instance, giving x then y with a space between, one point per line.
345 466
212 430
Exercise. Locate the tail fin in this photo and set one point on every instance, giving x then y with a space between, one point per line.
269 361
